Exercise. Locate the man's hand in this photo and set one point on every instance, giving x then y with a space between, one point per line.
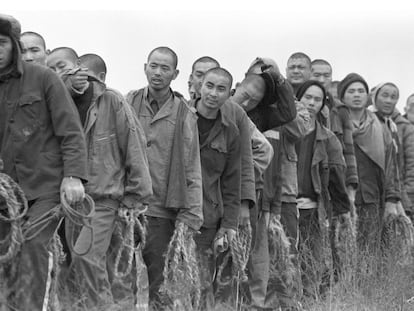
73 190
244 213
390 209
79 80
266 216
351 193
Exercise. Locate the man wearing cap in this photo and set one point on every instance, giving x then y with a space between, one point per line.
43 149
409 109
377 194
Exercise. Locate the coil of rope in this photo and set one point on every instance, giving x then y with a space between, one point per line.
398 235
13 207
181 272
238 252
281 264
133 222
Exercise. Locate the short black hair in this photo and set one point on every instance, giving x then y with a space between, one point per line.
71 52
93 62
205 59
165 50
300 55
35 34
321 62
222 72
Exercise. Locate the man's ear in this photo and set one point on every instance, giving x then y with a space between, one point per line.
176 72
102 76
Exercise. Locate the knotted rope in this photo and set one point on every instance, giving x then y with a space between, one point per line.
181 272
398 235
345 243
239 252
13 207
131 222
281 264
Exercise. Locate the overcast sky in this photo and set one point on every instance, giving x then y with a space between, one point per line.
372 38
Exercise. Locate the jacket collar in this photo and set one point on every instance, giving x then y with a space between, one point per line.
224 118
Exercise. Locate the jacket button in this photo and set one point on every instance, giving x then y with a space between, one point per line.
149 144
11 120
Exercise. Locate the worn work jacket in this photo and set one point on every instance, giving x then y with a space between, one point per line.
280 182
117 161
221 169
248 185
159 131
405 159
41 137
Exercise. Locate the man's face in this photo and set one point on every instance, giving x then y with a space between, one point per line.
160 70
215 90
248 95
313 100
198 73
333 90
298 71
355 96
322 73
33 50
60 62
6 52
387 98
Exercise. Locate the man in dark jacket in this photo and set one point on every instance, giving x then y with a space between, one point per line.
221 166
119 177
43 149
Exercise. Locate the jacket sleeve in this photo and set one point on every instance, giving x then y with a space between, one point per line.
271 200
340 118
132 142
297 128
262 154
230 186
67 126
283 108
192 216
408 163
336 186
248 187
392 179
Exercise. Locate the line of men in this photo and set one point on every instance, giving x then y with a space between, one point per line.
295 149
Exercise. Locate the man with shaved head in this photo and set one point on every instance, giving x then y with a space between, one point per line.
118 171
95 64
298 69
221 168
173 151
65 62
198 70
34 48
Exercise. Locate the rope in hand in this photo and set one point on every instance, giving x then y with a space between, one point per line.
398 235
239 252
281 264
13 207
181 274
133 221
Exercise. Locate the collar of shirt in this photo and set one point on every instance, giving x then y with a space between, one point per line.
160 101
